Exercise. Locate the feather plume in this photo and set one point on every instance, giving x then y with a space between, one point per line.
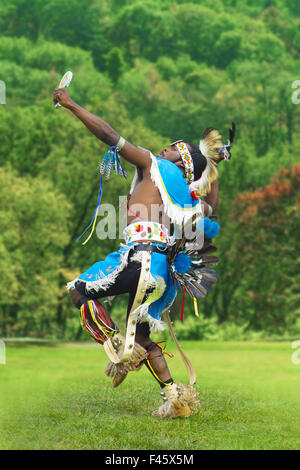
226 148
209 260
212 147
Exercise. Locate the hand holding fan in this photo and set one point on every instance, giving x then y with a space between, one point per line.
64 83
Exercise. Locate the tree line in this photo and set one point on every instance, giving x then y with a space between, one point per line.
156 71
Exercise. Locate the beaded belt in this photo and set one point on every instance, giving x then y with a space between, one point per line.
146 231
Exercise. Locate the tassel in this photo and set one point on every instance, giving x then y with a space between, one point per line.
196 307
110 160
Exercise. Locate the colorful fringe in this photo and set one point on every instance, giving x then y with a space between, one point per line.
94 321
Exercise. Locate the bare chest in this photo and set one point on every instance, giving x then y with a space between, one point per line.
145 202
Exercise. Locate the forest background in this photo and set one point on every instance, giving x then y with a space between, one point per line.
156 71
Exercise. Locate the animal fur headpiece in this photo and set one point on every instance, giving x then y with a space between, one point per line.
212 148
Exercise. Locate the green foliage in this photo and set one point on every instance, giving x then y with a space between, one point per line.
31 254
197 328
268 223
54 55
204 328
115 64
156 72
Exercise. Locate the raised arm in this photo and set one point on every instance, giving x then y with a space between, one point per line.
135 155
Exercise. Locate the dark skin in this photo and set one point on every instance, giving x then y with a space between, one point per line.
145 192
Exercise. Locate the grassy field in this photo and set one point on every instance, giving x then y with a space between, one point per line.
59 398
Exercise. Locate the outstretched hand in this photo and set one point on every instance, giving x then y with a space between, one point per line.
62 96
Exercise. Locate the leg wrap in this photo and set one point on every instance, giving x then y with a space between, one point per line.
118 371
179 401
157 364
96 322
100 327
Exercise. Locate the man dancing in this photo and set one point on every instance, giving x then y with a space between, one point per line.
168 188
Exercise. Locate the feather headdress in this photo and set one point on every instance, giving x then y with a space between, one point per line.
212 148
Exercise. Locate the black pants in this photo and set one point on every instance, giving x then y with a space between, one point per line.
126 282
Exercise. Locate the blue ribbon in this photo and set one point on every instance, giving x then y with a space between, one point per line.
110 161
96 210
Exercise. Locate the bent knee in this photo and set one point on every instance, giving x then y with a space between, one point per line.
76 297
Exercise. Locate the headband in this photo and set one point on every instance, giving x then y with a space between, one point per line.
187 160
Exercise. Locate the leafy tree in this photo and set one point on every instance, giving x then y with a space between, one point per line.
115 64
156 71
32 239
269 224
227 48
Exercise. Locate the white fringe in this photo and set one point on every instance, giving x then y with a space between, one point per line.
137 256
176 213
107 281
141 313
134 181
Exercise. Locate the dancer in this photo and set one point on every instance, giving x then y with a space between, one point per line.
154 262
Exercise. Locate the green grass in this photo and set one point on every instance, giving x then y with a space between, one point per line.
59 398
